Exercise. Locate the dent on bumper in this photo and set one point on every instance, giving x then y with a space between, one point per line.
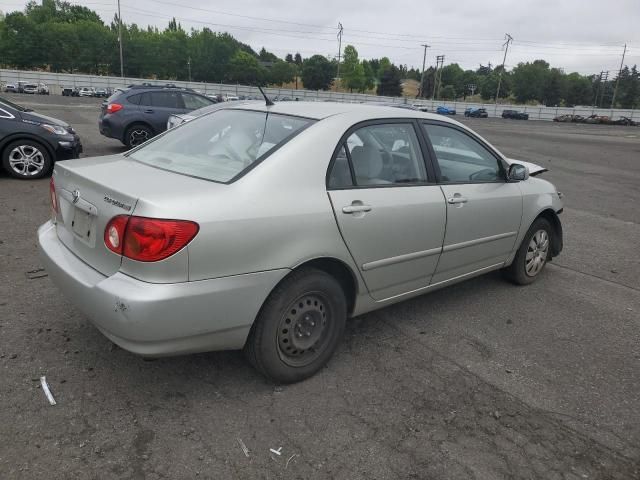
159 319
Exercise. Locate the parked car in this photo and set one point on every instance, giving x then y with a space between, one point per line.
569 118
30 88
30 143
101 93
625 121
515 115
43 89
445 111
219 234
86 92
11 88
476 112
68 91
596 119
137 114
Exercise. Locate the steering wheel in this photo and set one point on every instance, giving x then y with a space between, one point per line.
484 171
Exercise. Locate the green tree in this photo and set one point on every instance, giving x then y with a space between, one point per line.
317 73
353 75
530 80
245 68
628 95
578 90
281 72
555 88
390 82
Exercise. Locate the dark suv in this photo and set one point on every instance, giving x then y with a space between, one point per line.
30 143
135 114
515 114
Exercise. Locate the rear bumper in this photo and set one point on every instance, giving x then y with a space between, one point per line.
109 128
153 319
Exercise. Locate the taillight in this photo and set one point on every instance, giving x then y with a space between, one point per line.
54 198
114 233
148 239
114 107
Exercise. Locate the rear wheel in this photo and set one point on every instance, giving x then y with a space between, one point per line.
26 159
533 254
299 326
137 135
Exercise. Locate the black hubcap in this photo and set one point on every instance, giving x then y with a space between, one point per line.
302 332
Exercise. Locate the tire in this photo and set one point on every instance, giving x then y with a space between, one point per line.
298 327
26 159
537 245
137 134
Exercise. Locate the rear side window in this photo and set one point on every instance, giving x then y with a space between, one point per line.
135 99
220 146
166 99
341 172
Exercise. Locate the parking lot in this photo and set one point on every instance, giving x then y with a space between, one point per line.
481 380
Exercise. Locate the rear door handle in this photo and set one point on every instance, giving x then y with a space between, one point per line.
356 208
457 199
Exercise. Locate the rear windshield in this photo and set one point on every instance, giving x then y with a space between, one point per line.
221 145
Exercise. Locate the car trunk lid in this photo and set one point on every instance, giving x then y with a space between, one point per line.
91 191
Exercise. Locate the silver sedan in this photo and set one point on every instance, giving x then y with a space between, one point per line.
264 228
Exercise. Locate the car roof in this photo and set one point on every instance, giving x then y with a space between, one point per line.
359 111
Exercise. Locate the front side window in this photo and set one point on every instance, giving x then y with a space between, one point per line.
382 154
221 145
462 159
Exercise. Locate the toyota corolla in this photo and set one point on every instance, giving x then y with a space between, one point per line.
264 227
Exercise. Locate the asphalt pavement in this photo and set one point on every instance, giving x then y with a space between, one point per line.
482 380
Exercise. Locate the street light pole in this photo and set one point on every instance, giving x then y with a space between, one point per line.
339 53
189 65
120 40
424 59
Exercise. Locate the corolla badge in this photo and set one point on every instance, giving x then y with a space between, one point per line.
75 196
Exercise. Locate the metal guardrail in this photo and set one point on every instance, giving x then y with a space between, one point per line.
56 81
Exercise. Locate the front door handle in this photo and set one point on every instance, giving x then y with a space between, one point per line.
457 198
356 208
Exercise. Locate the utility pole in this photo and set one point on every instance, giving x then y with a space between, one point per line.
189 65
615 89
120 40
504 60
424 59
604 76
439 65
339 53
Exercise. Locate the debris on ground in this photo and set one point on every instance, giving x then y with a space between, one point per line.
37 273
47 391
243 447
289 459
277 452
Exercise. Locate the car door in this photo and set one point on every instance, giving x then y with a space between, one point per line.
390 213
484 211
162 104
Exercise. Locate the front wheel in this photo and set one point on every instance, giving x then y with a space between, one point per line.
26 159
298 327
532 255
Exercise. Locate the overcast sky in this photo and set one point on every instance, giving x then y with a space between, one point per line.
586 36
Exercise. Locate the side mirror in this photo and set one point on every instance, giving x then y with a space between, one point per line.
518 173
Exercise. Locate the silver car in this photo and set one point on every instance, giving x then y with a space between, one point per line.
264 228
